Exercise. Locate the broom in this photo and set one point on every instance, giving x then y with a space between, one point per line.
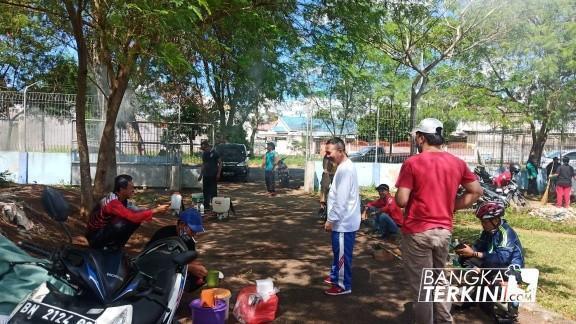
544 199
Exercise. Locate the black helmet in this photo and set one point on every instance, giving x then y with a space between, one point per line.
514 168
383 187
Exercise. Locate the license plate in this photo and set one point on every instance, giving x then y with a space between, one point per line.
32 312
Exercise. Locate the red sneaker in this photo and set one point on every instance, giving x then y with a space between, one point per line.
336 290
328 281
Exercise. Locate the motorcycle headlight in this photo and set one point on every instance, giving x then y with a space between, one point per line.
117 315
241 164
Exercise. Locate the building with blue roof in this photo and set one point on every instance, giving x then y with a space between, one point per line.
289 133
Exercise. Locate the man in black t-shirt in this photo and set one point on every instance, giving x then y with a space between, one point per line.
210 172
188 226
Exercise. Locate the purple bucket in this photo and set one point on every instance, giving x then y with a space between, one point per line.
204 315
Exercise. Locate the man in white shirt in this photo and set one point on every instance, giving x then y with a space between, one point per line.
343 218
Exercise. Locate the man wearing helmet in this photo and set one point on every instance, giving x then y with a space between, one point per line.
498 245
564 174
427 187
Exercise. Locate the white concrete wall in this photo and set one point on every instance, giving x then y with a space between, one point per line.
369 174
58 169
10 161
49 168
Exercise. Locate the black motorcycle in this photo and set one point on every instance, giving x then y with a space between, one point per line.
104 286
283 173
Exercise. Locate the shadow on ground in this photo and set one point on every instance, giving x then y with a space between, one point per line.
278 237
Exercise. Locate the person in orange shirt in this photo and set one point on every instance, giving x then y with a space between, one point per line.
388 216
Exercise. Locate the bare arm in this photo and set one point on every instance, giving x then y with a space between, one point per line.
402 196
201 171
473 192
219 170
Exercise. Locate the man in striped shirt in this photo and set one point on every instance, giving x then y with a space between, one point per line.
114 219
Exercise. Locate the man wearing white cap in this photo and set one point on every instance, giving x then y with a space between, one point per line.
427 187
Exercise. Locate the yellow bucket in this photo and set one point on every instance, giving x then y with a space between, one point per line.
224 295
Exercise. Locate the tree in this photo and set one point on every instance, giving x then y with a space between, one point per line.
241 60
419 36
529 73
113 38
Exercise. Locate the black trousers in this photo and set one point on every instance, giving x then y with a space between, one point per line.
269 177
112 236
532 187
209 190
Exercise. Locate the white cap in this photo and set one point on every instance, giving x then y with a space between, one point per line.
428 126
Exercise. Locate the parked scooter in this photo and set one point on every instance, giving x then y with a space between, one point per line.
107 286
509 192
283 173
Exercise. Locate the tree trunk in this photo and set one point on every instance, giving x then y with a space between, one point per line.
416 91
254 125
539 138
106 166
86 198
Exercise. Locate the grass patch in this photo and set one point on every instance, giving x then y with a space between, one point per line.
553 255
547 251
293 161
192 159
523 221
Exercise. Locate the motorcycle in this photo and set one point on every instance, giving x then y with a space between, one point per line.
509 193
104 286
283 173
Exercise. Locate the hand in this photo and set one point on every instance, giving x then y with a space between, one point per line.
466 251
197 269
364 215
328 226
161 208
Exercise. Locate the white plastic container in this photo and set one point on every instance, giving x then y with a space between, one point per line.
265 288
176 201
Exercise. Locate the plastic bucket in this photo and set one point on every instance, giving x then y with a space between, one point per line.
223 294
204 315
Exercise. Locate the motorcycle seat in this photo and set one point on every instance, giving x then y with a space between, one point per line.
161 266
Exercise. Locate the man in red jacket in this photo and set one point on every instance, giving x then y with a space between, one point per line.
113 220
388 216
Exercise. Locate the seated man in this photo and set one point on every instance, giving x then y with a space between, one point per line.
498 245
388 216
188 225
113 220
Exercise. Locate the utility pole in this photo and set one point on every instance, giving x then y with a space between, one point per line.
24 104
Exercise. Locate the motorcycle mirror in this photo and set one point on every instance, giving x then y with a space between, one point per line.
55 204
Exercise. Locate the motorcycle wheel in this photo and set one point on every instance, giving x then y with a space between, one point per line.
519 200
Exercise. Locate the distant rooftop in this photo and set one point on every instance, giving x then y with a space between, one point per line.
296 124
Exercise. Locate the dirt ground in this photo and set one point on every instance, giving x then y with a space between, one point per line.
277 237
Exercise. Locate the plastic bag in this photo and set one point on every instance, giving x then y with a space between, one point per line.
250 308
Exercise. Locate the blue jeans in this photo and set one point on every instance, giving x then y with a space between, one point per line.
385 225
